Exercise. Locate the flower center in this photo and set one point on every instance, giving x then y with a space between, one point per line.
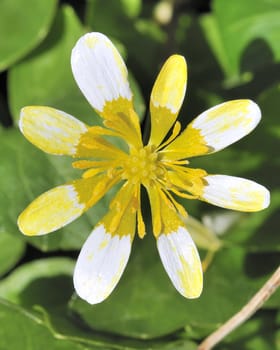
143 166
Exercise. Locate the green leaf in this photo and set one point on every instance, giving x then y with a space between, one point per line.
138 99
146 305
45 77
22 329
269 102
258 231
23 27
28 284
132 7
45 286
32 332
213 35
237 27
12 250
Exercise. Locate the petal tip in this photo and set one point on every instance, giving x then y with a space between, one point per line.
21 225
25 226
83 290
23 113
26 115
266 198
179 60
255 112
194 293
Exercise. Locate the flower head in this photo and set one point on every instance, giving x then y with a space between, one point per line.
160 166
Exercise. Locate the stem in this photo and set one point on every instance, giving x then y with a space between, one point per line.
244 314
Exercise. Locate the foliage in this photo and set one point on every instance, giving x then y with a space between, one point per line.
232 49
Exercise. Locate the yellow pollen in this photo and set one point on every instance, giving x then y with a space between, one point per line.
143 166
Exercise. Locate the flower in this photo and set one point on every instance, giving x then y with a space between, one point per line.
160 166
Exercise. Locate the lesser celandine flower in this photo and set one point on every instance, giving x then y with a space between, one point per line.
161 166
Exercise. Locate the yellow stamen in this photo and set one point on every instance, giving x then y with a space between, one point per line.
86 164
125 202
140 222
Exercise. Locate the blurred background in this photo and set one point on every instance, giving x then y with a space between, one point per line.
232 50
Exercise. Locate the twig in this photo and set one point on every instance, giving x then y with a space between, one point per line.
246 312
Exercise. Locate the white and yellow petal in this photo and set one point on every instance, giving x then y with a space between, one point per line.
51 130
101 74
215 129
167 97
51 211
181 261
100 264
177 251
105 253
63 204
99 70
235 193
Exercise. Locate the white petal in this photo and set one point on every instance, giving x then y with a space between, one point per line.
100 264
181 261
99 70
51 130
235 193
224 124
